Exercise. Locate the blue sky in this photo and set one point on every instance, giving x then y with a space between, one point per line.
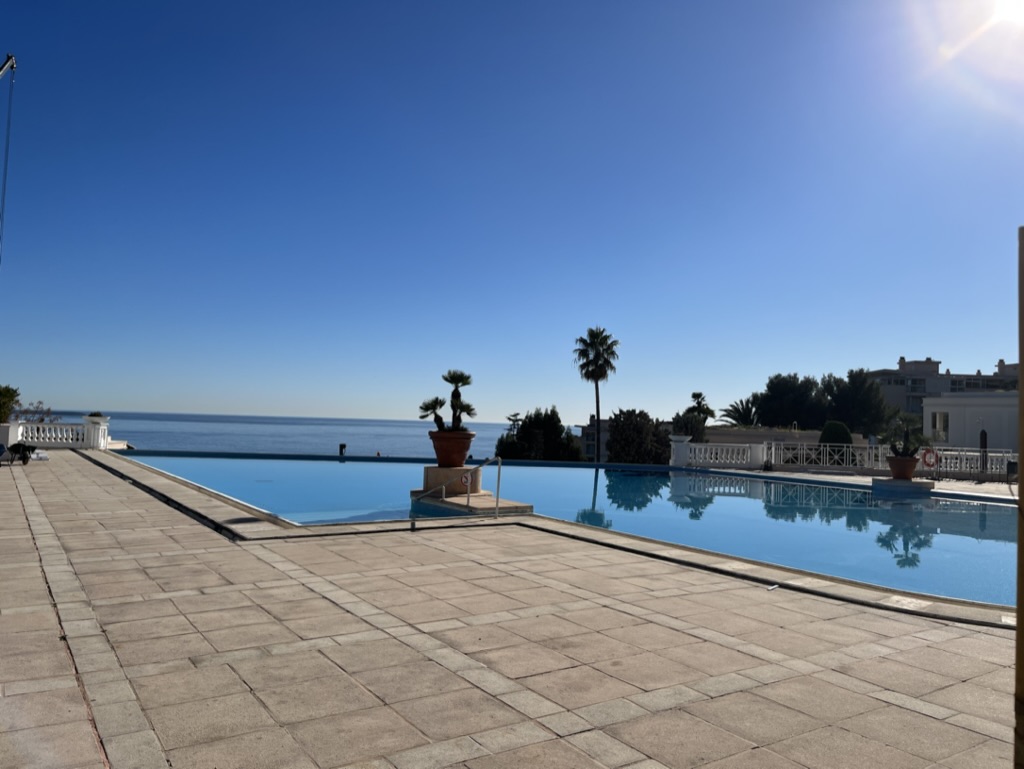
238 207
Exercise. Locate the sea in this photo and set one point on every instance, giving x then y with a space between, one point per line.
224 433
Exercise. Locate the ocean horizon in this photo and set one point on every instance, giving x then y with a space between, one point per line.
165 431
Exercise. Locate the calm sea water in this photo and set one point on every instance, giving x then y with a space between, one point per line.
283 435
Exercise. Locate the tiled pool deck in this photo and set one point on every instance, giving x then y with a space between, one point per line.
134 636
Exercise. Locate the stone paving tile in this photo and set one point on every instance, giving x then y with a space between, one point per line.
410 681
753 718
579 686
316 698
62 746
438 755
44 708
913 733
554 754
817 698
974 700
272 748
162 649
199 721
524 659
591 647
457 713
992 754
356 736
898 677
658 736
758 758
270 672
32 665
138 750
187 686
651 637
835 748
371 655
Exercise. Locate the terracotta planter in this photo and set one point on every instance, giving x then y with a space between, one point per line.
451 447
902 468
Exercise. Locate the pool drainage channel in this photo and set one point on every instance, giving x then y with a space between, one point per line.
236 536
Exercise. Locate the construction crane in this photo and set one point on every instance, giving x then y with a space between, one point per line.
9 64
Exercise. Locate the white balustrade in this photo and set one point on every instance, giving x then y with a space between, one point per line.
948 462
93 433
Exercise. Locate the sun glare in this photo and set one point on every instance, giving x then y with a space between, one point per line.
1009 11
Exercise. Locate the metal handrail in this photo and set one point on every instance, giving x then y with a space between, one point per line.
444 486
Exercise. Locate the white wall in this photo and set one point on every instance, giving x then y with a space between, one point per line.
969 413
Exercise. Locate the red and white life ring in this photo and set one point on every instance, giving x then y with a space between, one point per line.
929 458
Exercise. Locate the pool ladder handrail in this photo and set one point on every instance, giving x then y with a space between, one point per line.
444 486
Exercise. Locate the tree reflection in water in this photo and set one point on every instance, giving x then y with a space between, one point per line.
633 491
905 536
591 516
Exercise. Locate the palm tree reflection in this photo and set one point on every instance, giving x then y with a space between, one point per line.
591 516
905 536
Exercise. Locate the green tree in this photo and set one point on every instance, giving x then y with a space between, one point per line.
635 438
539 435
8 400
790 399
595 357
857 401
693 421
741 413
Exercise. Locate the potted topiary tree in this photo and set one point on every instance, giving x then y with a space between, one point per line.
903 457
451 442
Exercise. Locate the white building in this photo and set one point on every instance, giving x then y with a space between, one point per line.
957 419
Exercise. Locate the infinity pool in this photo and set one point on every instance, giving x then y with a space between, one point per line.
932 545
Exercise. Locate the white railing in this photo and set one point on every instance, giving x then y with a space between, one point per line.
933 462
52 436
92 433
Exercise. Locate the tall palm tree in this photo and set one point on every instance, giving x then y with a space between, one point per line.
595 356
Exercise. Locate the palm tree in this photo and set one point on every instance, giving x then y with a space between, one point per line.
742 413
595 356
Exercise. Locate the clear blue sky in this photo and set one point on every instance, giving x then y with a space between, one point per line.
318 208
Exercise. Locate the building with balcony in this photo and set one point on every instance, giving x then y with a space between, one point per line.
906 386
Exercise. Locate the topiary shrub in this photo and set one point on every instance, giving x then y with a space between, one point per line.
836 432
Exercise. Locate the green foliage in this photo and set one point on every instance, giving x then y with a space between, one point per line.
430 407
595 354
690 424
8 400
633 491
635 438
836 432
693 421
789 399
595 357
857 401
906 447
741 413
700 406
539 435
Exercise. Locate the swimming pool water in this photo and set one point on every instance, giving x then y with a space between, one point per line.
932 545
